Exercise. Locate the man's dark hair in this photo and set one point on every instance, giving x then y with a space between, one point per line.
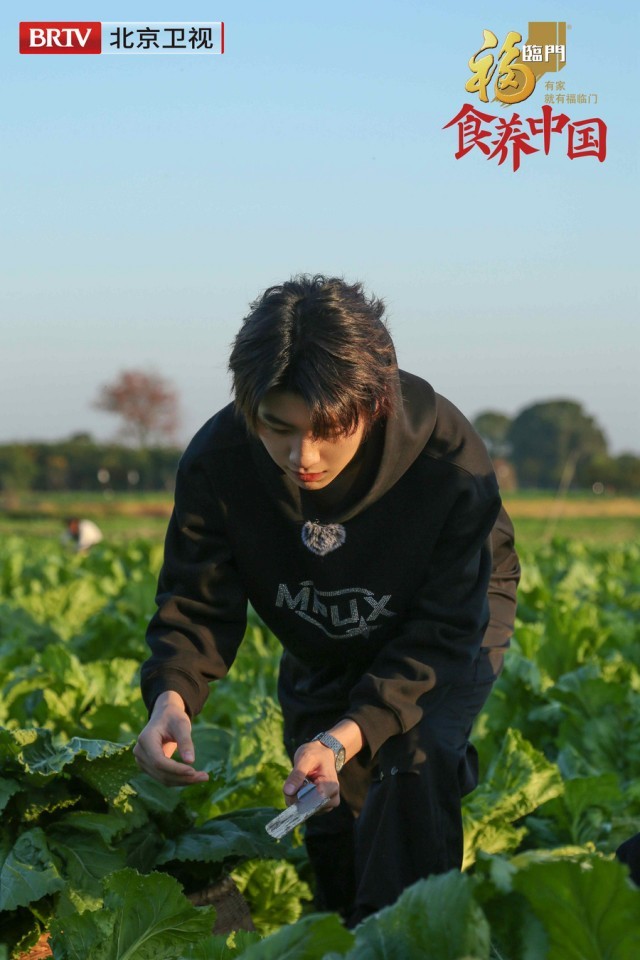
324 340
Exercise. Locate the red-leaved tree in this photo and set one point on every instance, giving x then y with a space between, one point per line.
147 404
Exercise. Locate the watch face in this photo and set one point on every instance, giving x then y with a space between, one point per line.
340 758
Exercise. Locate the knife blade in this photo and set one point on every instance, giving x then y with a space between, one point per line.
308 801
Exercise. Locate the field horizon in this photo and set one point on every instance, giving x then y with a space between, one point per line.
538 516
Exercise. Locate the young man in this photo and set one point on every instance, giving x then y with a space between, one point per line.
358 512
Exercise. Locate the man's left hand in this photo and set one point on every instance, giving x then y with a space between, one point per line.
314 762
317 763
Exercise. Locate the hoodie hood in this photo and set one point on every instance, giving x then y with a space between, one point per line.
383 458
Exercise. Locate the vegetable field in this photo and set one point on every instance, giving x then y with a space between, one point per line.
110 864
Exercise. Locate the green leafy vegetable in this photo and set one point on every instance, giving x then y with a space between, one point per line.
28 872
438 917
589 910
240 835
274 892
144 918
312 938
222 947
519 780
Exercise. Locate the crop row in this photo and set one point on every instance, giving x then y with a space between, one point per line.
102 858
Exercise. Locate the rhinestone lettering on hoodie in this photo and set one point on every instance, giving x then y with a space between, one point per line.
353 610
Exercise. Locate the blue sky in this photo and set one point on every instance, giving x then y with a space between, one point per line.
147 200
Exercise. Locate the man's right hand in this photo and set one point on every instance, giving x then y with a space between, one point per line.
168 730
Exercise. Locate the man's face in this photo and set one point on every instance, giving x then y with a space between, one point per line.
284 428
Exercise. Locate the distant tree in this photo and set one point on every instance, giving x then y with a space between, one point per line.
57 472
18 467
549 440
147 404
619 474
493 427
628 472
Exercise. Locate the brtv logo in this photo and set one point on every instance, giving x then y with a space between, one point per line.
61 37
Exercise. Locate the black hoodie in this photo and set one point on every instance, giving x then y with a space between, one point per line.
380 587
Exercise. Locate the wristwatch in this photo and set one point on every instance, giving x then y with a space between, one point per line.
327 740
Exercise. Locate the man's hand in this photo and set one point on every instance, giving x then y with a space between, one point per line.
313 761
168 730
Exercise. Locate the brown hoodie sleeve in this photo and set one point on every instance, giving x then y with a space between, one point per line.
503 587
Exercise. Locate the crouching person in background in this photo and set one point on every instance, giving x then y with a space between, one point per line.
83 534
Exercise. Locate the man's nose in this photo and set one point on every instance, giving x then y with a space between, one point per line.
304 453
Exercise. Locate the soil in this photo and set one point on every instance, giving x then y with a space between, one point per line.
232 910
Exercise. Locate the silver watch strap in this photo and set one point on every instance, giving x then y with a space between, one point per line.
328 740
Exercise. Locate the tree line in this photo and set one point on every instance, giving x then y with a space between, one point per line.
549 446
82 464
148 409
556 444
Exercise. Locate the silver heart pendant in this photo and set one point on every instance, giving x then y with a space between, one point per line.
322 538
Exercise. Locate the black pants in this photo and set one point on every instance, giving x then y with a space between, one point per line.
400 818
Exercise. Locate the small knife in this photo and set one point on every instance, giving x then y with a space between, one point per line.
308 801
